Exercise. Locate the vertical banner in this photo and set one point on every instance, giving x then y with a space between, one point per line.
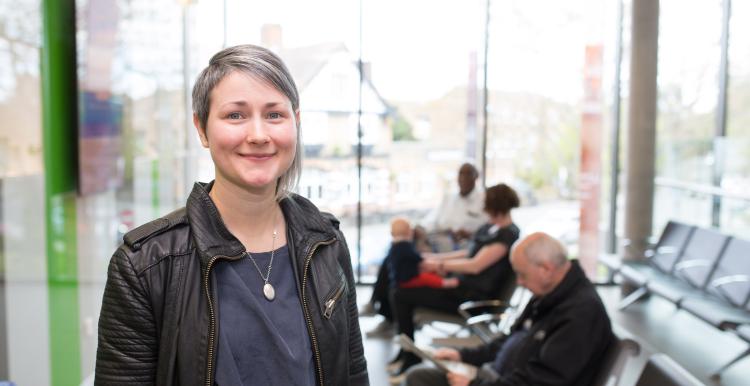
591 147
100 139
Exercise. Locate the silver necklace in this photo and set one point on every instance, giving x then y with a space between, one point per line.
268 291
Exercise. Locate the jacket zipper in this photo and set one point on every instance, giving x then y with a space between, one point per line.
306 309
331 303
212 314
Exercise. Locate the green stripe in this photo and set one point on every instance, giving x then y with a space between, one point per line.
60 137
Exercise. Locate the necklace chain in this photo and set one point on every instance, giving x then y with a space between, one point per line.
270 263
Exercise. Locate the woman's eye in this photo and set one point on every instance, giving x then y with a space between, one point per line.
274 115
234 116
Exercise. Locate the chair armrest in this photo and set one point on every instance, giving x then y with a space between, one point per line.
485 318
481 325
694 263
720 283
649 243
473 308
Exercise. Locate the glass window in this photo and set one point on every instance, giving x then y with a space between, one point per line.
686 122
735 181
24 326
537 57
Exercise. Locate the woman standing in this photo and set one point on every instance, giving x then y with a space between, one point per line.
249 284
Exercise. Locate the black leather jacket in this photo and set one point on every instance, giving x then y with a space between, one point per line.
158 323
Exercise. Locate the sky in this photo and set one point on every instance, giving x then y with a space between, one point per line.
419 49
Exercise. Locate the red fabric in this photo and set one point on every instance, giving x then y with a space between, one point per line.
424 279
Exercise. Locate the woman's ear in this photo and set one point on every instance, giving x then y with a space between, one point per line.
201 130
296 116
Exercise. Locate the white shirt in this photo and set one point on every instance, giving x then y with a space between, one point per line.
456 212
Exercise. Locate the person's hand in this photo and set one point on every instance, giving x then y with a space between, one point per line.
461 234
450 282
448 354
455 379
429 256
430 265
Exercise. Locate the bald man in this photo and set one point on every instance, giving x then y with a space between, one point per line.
559 339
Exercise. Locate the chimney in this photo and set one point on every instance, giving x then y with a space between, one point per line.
270 37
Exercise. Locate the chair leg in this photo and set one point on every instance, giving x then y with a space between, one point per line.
717 374
633 297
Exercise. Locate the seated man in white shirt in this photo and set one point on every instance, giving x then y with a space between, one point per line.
459 215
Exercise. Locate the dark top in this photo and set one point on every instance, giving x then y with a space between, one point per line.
261 342
559 339
487 283
403 262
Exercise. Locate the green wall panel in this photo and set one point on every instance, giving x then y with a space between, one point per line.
60 137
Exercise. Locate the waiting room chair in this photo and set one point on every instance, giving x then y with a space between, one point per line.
661 370
661 259
502 300
615 359
726 302
703 252
743 332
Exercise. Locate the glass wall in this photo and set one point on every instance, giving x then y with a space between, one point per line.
425 79
735 216
391 105
702 163
24 319
549 80
687 100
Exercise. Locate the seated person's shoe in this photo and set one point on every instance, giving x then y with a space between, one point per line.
368 310
397 379
384 329
409 360
395 364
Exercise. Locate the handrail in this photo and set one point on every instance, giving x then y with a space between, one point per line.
708 190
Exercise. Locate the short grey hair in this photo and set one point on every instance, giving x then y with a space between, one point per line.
541 247
262 65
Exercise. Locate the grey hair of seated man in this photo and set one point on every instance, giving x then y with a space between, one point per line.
540 247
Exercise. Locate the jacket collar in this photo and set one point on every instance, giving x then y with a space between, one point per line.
574 278
305 224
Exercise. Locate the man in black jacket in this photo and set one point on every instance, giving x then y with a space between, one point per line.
559 339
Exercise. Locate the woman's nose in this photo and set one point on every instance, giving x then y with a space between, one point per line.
256 131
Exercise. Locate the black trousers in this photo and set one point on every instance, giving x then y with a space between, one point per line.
380 298
406 300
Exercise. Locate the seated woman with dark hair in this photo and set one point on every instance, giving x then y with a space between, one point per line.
481 269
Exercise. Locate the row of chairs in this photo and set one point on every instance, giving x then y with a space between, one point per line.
699 270
660 370
487 319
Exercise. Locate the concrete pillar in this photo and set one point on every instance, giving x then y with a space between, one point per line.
641 135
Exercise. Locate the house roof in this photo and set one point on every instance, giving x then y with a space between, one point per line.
306 62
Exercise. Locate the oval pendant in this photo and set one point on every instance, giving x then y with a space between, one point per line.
269 292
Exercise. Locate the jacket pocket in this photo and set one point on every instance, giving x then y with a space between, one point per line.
334 298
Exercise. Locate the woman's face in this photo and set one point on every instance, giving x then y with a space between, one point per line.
251 132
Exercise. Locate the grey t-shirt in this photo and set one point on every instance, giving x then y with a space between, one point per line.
261 342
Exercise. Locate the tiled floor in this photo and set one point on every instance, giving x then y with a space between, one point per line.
655 323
